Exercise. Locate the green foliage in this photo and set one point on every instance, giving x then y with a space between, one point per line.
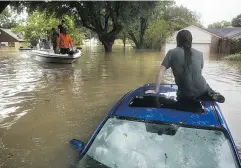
235 46
133 20
77 34
7 21
39 25
236 22
106 18
234 57
221 24
181 17
151 30
157 33
147 14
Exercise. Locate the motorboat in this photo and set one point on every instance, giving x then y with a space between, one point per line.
48 55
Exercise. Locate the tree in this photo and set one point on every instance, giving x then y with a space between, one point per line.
157 33
123 36
181 17
6 19
152 29
39 25
148 13
106 18
221 24
236 22
77 32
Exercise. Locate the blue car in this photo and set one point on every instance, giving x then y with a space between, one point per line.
152 131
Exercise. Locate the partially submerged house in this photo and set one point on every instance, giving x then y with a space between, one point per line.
209 41
227 35
10 39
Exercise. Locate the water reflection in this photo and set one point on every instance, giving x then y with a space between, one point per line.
43 106
17 76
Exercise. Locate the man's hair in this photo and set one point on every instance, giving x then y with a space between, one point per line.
184 40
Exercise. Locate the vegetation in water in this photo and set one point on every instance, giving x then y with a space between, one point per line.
125 20
144 24
151 29
233 57
39 25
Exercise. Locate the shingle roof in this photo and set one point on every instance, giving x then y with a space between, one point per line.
225 32
9 32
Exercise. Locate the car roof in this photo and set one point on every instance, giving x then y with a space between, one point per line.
211 117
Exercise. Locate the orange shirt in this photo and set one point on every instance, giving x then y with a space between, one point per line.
64 41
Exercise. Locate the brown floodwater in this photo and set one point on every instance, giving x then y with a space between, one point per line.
43 106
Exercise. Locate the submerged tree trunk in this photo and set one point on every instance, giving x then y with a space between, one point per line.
143 27
107 46
107 40
124 39
140 44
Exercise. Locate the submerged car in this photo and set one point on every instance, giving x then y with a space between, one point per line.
150 131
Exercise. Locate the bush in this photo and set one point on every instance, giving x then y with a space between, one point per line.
234 57
235 46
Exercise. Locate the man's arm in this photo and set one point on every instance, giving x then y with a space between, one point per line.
159 77
166 63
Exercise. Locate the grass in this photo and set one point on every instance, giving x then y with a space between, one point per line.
233 57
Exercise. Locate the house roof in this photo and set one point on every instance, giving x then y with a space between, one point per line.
13 35
204 30
226 32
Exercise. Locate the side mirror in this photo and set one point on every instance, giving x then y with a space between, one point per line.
77 144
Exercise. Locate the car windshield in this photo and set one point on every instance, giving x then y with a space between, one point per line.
133 144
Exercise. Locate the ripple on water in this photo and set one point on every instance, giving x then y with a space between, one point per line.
17 76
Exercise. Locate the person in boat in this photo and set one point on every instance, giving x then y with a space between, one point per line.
54 38
62 26
64 42
187 64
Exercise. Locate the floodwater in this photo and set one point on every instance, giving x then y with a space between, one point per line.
43 106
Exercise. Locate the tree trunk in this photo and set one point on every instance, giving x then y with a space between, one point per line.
124 39
124 42
139 42
143 27
133 38
107 46
108 39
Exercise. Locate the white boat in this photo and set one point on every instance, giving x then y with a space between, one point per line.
48 55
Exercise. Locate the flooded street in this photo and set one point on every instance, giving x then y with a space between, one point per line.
43 106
